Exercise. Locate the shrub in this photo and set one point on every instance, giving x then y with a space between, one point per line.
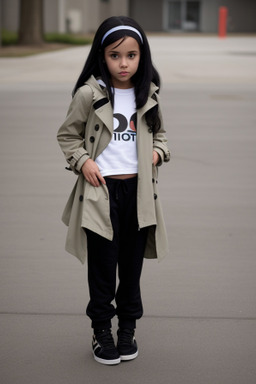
67 38
11 38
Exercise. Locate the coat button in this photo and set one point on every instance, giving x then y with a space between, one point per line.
155 196
92 139
97 127
150 130
153 180
81 198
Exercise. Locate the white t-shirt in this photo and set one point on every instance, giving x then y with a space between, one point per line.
120 156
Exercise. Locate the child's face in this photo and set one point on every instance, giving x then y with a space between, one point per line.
122 61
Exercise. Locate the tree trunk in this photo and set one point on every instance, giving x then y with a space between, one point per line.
31 22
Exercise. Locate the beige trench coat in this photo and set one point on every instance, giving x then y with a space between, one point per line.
85 133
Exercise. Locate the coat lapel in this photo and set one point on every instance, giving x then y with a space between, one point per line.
102 106
151 102
105 114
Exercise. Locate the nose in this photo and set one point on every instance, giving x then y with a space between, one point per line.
123 62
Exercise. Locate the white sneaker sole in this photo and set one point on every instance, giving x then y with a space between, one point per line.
129 357
107 362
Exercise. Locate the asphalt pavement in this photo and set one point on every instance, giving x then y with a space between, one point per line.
199 324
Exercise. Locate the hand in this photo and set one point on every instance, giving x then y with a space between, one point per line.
156 158
92 173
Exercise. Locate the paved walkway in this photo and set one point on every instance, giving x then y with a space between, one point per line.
200 309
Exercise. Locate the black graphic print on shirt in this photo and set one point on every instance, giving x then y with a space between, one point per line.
125 131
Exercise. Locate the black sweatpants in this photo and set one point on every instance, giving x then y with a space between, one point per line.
124 253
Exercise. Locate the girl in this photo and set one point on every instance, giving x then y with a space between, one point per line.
113 138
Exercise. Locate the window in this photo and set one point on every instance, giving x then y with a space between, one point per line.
192 15
183 15
174 13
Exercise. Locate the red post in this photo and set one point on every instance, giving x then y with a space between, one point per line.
223 15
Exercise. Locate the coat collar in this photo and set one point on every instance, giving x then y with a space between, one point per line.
105 110
151 101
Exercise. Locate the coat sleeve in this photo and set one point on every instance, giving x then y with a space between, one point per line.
160 141
71 134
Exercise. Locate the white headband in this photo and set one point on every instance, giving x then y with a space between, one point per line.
120 27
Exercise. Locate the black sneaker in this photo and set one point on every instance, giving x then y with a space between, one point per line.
104 349
126 344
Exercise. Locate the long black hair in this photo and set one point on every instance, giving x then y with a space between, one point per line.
146 73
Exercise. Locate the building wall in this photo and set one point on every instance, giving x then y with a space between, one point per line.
119 8
241 15
10 15
94 12
113 8
148 13
51 16
83 14
86 15
209 16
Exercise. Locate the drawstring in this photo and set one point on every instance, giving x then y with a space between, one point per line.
117 186
120 185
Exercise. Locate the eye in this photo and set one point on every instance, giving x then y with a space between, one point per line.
114 56
131 55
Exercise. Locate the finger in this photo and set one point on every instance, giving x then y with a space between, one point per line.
91 179
95 180
101 178
98 179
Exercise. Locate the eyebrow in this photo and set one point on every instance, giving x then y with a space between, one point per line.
133 51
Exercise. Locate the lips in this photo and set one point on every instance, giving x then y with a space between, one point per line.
123 73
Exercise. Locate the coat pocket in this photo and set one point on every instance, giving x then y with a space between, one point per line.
95 193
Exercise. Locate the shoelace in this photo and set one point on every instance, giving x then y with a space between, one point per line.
125 336
105 338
